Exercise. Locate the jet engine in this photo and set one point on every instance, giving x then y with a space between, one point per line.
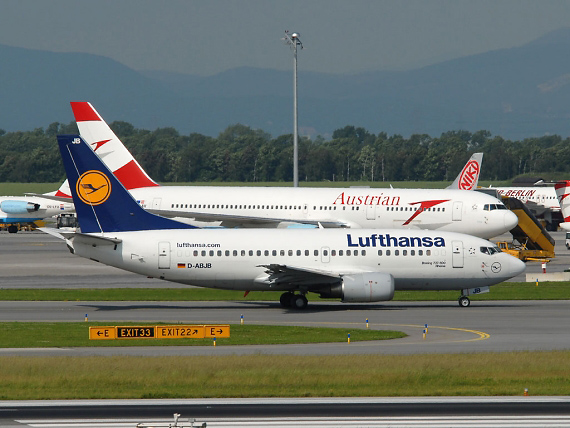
18 207
362 287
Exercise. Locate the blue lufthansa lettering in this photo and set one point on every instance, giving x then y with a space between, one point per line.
392 241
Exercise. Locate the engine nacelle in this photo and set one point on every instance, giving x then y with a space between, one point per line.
363 287
18 207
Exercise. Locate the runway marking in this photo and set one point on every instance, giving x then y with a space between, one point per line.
481 335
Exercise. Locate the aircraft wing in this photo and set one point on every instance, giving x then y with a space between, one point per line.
232 220
50 197
283 274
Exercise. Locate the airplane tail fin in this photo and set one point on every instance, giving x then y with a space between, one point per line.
101 202
469 175
101 138
563 195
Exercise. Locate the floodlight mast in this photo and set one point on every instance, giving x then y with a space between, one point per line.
293 40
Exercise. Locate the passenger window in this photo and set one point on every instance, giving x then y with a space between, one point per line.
316 253
380 252
243 253
259 252
266 252
227 253
195 253
348 252
388 252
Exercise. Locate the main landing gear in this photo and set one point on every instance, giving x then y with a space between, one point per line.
292 300
464 301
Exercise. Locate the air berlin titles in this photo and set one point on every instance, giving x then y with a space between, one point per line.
516 193
375 240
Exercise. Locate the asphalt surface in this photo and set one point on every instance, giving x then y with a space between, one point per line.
35 260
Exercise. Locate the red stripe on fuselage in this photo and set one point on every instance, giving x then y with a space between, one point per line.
132 177
83 111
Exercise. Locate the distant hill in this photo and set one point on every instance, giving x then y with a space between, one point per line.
516 93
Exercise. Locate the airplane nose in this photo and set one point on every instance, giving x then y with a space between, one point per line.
511 219
515 266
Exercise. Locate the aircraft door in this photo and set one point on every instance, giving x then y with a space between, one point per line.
164 255
457 254
457 210
325 254
370 212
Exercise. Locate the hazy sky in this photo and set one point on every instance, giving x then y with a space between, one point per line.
339 36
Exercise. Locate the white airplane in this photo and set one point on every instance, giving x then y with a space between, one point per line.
27 209
353 265
538 198
541 200
438 209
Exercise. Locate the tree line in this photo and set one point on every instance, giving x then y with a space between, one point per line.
243 154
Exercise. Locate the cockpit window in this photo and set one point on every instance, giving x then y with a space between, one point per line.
490 250
491 207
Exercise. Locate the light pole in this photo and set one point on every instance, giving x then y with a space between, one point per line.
293 40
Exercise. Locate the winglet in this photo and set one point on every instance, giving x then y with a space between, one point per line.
101 138
469 175
101 202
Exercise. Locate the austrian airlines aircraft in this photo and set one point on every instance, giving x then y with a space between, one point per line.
353 265
440 209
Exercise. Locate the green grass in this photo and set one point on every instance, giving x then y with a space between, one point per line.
491 374
504 291
76 334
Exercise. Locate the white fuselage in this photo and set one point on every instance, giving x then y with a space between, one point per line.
544 197
237 259
460 211
24 209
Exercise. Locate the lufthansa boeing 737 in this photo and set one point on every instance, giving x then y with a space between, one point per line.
269 207
354 265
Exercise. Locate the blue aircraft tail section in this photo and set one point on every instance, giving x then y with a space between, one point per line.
101 202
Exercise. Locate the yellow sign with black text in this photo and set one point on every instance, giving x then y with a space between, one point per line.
180 332
216 331
176 331
102 333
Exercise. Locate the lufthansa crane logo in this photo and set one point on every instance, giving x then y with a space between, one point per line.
93 187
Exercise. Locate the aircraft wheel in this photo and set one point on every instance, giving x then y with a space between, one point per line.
464 301
298 301
12 229
285 299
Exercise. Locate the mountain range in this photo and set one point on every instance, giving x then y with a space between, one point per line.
516 93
